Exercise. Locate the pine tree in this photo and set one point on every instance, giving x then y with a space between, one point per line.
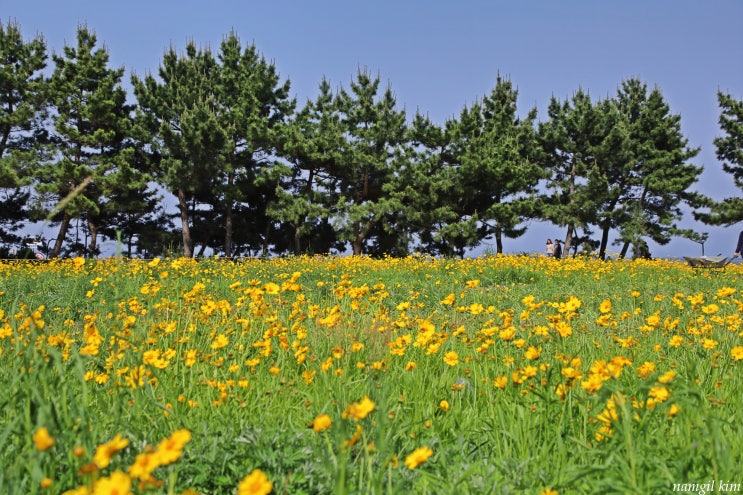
428 192
180 113
91 126
497 152
375 130
22 134
729 149
313 144
660 176
253 106
571 140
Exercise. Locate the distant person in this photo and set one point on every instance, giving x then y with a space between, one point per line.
550 249
558 249
739 247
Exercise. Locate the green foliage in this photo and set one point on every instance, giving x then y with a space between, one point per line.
521 438
497 154
729 146
22 105
621 164
348 171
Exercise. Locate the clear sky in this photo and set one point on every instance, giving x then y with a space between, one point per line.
440 55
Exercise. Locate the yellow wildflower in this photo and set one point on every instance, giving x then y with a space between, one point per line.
359 410
42 439
451 358
104 452
321 423
605 306
418 457
646 369
256 483
118 483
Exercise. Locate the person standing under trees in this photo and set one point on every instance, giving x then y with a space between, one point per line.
558 249
739 247
550 249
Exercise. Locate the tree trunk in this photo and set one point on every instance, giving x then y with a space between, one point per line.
571 226
93 229
297 239
228 219
568 240
358 240
265 240
228 231
298 224
604 241
185 229
63 226
625 248
498 241
358 246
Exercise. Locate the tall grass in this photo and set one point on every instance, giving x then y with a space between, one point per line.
521 374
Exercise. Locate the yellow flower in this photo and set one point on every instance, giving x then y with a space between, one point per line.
736 353
359 410
500 382
451 358
710 309
476 308
605 306
354 438
507 333
548 491
418 457
117 484
667 377
170 450
659 394
563 329
444 405
449 300
271 288
308 376
321 423
646 369
46 483
572 373
42 439
725 292
143 466
102 456
256 483
532 353
220 341
471 284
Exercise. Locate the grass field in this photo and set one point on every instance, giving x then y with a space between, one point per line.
515 374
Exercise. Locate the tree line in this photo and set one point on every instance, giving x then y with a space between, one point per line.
254 173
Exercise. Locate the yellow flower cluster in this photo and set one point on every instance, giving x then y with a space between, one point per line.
201 335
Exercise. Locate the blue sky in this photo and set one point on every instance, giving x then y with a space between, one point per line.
438 56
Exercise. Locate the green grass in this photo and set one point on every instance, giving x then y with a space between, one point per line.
337 330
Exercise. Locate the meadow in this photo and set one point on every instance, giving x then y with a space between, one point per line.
322 375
